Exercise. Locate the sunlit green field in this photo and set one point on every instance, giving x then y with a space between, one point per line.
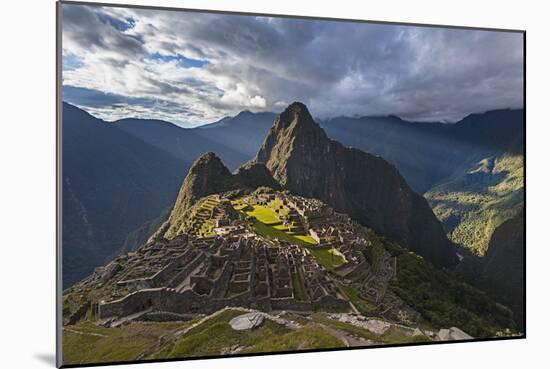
264 214
328 258
267 223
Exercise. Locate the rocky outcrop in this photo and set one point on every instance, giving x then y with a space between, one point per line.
207 176
503 270
305 161
247 321
254 175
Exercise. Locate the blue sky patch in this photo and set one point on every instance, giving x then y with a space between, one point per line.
71 62
120 24
182 61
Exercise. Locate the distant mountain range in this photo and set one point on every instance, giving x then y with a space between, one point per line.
428 153
143 163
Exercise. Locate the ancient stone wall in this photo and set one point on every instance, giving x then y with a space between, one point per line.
132 303
180 277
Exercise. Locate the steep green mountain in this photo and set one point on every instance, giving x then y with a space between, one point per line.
305 161
473 204
503 266
427 153
471 172
112 184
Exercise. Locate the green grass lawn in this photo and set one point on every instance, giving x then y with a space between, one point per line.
328 258
267 224
276 204
88 343
216 334
271 232
308 337
264 214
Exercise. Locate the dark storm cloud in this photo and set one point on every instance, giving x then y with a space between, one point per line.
90 27
337 68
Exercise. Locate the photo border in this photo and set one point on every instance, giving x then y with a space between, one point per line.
59 181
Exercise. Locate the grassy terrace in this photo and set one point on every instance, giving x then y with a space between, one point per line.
200 221
266 223
328 258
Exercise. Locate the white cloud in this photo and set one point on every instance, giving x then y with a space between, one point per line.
259 63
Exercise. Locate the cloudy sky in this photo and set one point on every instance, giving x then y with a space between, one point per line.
194 68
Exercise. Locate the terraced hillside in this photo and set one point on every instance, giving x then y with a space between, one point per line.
347 286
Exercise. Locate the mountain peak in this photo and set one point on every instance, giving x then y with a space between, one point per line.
293 131
302 158
208 159
207 175
296 112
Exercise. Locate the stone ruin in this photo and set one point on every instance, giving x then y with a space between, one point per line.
193 274
211 275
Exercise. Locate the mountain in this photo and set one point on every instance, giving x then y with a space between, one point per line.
471 172
427 153
112 184
474 203
184 143
208 176
305 161
243 133
140 235
433 157
503 266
